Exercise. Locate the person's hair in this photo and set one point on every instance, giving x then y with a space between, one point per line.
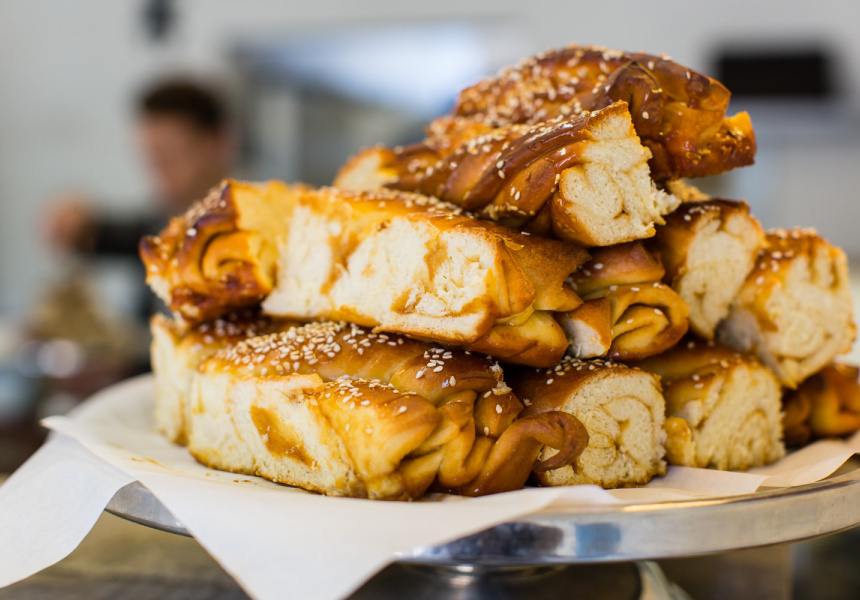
201 106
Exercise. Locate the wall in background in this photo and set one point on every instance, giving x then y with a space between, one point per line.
68 71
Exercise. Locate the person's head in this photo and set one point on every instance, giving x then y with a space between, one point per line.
186 140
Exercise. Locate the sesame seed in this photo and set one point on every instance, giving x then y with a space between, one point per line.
498 409
486 430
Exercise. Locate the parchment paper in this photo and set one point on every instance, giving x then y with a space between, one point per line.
279 541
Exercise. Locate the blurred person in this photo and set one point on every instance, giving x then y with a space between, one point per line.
187 145
186 142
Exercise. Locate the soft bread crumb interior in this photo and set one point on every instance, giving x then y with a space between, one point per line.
623 414
719 258
610 197
737 422
449 284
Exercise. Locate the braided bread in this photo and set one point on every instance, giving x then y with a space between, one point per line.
708 249
177 351
722 407
336 409
588 174
399 262
679 114
824 405
794 311
622 411
219 256
628 314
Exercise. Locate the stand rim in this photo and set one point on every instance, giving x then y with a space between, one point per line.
629 532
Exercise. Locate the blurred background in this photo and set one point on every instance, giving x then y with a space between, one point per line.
97 146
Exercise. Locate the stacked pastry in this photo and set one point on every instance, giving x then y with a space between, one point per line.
531 292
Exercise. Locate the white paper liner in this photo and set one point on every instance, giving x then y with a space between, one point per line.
50 504
273 538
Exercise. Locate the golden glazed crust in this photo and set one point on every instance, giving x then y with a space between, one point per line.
438 276
220 255
679 114
824 405
434 415
396 261
583 179
628 314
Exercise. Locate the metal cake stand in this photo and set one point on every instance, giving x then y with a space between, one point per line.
551 553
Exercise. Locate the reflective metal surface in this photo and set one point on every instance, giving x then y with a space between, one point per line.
662 530
623 581
137 504
612 533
